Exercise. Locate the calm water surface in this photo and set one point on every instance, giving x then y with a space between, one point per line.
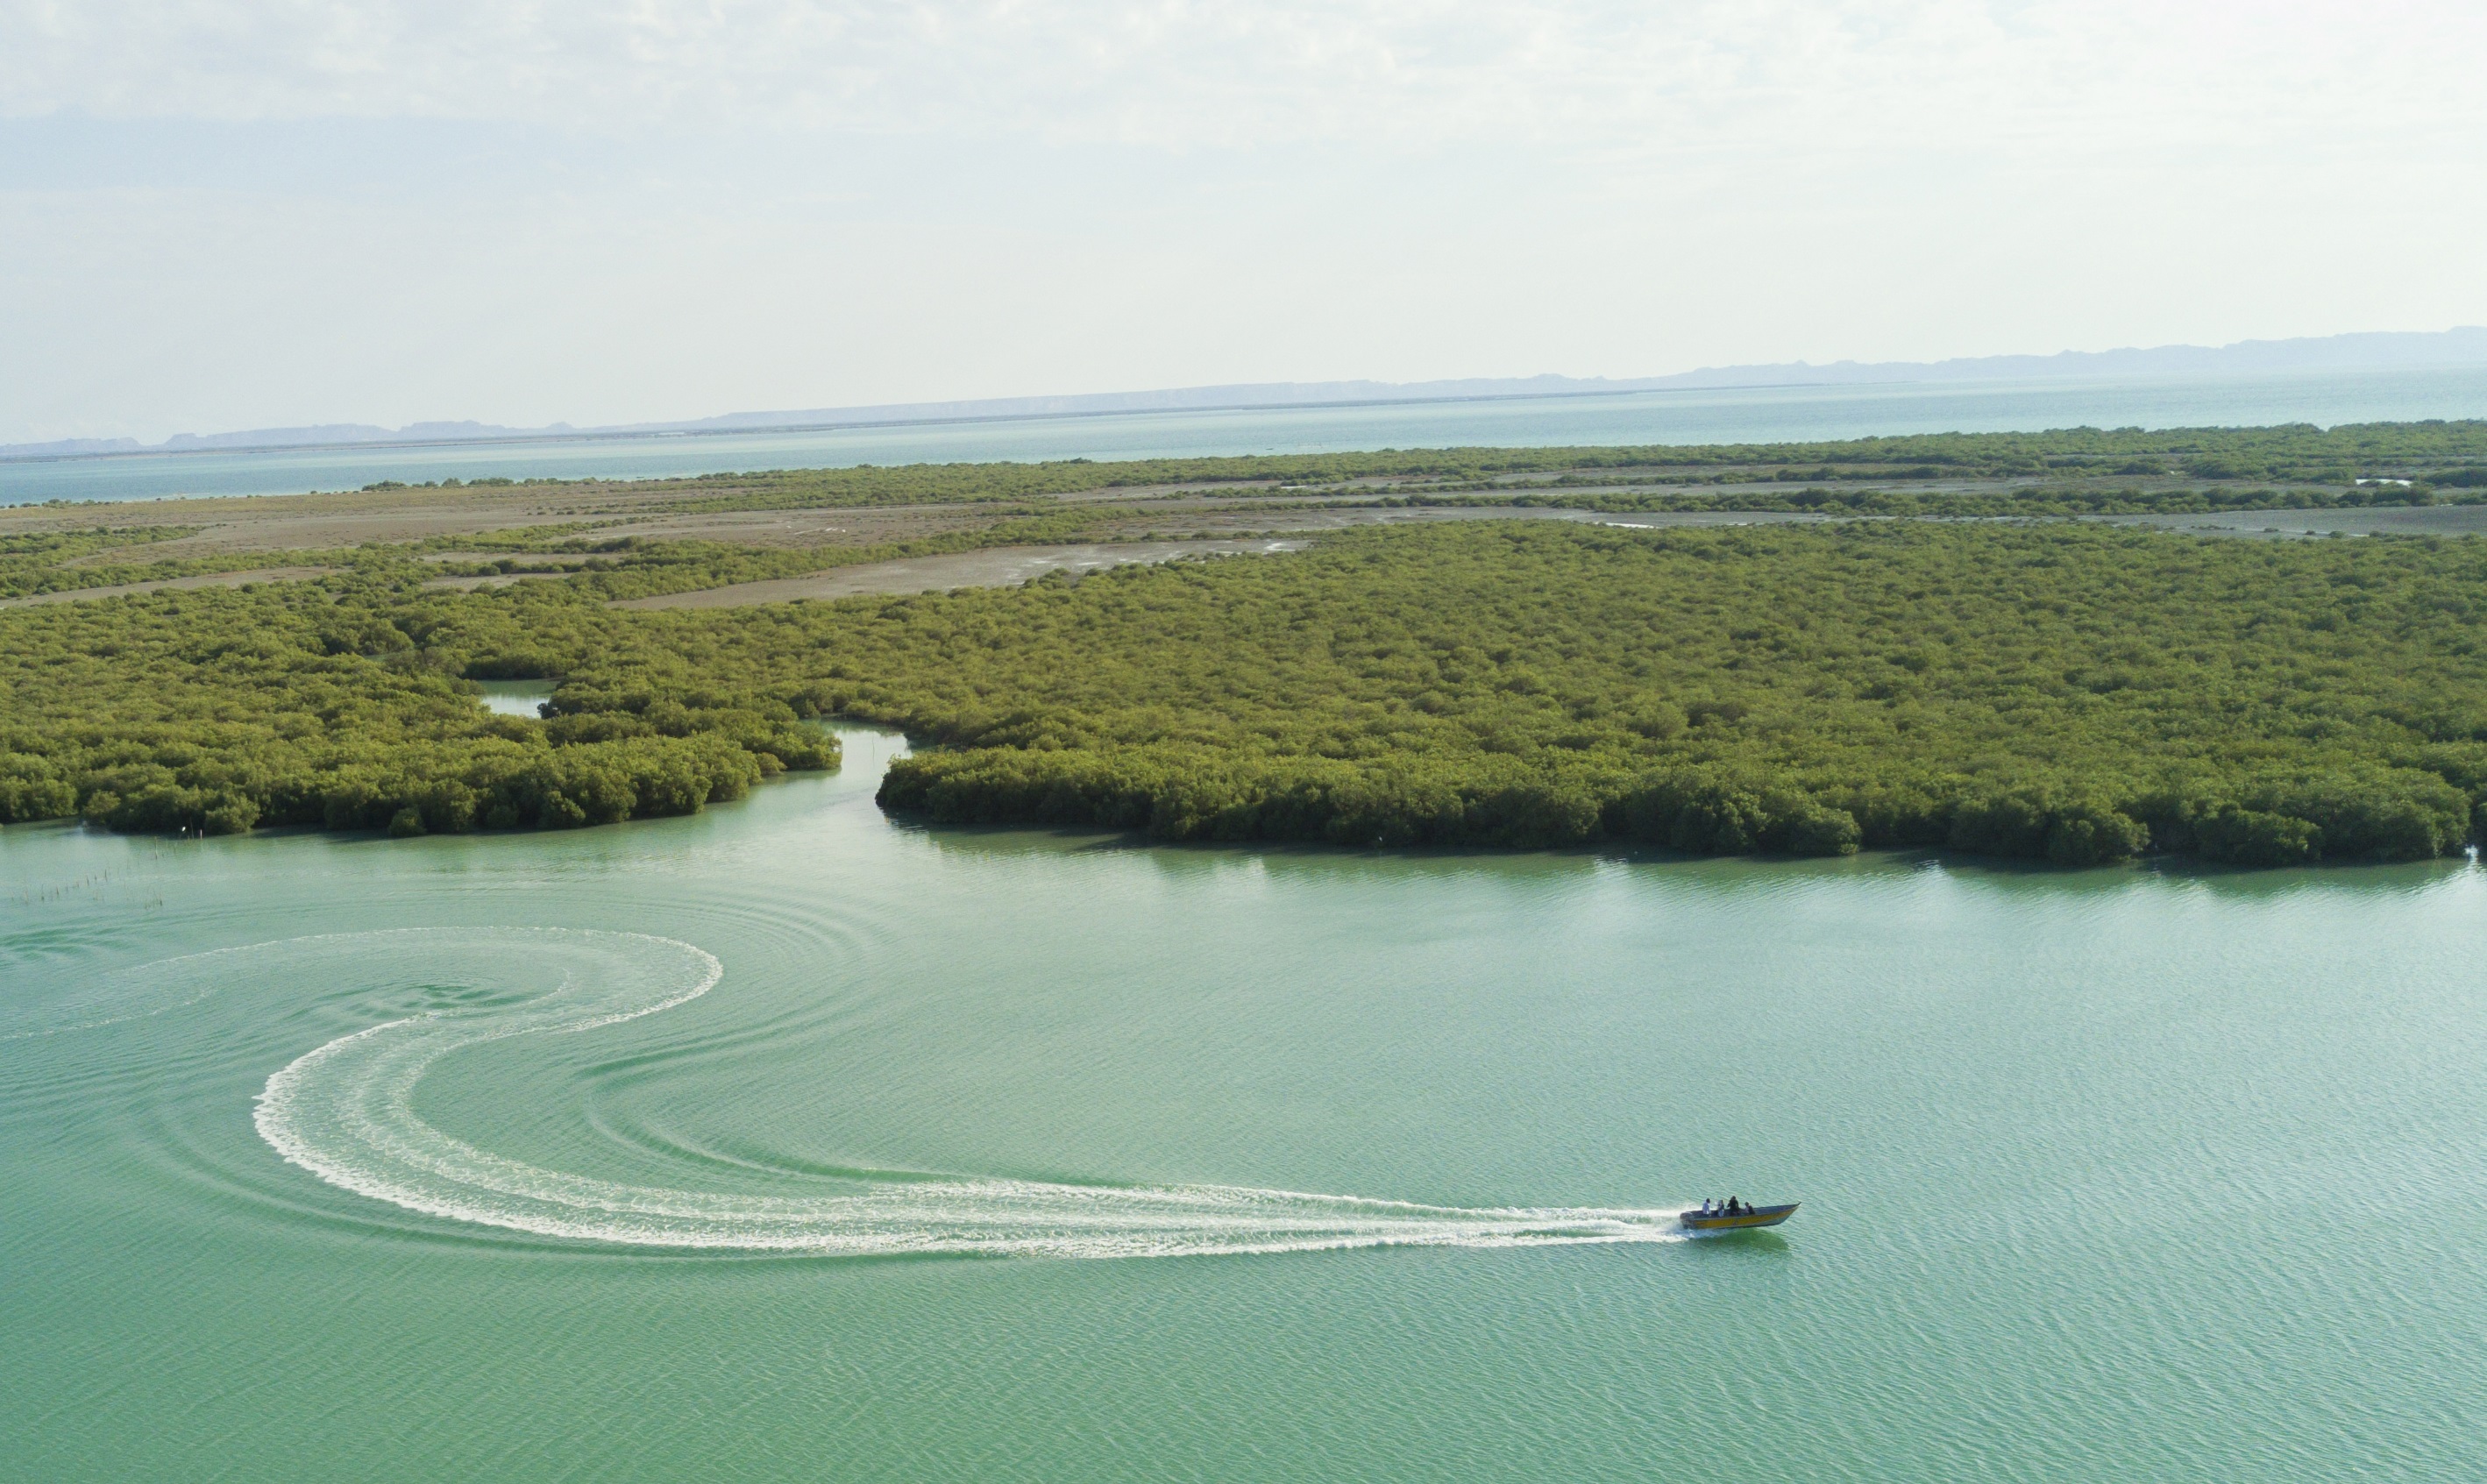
2106 1175
1725 415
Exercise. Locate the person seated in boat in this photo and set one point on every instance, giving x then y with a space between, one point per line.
1735 1207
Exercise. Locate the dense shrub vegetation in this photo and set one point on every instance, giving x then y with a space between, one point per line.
2061 691
2441 453
41 562
2076 694
218 711
2447 454
2032 501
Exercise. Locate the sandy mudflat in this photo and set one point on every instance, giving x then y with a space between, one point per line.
326 522
210 579
992 567
2379 520
1195 520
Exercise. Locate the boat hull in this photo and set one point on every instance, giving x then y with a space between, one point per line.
1742 1221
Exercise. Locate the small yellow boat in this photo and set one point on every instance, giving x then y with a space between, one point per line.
1742 1218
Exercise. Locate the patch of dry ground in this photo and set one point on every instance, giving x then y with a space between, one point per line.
1216 521
1196 514
992 567
2384 520
313 522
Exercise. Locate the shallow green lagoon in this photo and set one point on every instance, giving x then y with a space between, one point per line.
2111 1175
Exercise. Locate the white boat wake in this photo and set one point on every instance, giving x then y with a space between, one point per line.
345 1112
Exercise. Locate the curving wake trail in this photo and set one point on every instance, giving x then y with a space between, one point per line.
345 1112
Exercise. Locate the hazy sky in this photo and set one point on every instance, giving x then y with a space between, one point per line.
219 215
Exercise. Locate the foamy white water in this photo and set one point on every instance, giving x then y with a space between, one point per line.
345 1112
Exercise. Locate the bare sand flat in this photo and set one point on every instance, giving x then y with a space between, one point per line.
645 510
1191 520
171 584
994 567
328 521
2382 521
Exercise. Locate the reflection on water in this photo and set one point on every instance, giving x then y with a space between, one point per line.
2088 1162
515 697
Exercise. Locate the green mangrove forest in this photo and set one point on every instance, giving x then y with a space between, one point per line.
2064 692
2447 460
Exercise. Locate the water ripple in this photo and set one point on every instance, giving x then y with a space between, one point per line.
345 1112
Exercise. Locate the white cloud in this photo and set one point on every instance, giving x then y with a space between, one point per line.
1184 73
527 210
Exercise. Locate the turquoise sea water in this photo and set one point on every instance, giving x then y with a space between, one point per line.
690 1145
1725 415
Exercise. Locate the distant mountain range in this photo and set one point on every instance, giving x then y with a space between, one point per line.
2375 351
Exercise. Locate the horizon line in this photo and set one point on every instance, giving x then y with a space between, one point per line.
2468 341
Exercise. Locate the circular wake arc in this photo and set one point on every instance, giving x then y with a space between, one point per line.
345 1112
